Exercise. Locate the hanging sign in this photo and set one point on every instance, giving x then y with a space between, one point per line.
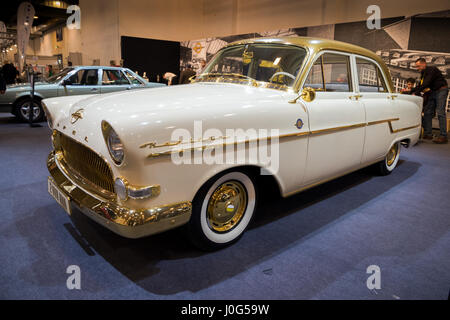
25 16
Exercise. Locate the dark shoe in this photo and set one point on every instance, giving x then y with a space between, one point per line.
427 137
440 140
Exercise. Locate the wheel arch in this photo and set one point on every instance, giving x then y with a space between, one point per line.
26 96
254 171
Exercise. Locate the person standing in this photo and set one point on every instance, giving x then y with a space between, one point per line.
10 73
2 83
433 82
201 66
169 76
186 75
50 70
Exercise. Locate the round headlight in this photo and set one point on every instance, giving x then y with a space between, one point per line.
115 146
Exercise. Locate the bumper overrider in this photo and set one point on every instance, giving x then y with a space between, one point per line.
129 223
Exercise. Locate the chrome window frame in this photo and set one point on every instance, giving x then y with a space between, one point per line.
350 69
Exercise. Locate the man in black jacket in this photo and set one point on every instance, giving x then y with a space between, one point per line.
186 74
10 73
2 83
434 84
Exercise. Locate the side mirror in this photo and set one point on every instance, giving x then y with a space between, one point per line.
308 94
192 79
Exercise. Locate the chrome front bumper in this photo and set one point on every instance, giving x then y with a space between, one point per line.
126 222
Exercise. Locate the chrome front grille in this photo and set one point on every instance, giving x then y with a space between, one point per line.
84 165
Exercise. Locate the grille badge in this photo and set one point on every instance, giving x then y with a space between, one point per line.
77 115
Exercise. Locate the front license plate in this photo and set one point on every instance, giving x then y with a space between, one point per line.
59 196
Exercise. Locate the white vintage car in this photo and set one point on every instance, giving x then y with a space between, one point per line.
302 110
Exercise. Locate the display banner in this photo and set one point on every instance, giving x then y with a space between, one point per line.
25 16
199 50
399 42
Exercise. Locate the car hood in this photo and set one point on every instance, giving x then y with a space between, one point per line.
201 98
153 115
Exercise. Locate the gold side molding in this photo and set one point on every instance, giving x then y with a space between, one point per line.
296 134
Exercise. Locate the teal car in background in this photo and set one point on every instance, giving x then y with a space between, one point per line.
77 80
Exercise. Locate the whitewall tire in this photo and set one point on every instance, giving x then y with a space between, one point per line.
390 162
222 210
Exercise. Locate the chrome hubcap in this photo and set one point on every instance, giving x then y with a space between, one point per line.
227 206
392 155
25 110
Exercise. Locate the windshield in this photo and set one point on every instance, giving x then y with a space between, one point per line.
259 64
57 77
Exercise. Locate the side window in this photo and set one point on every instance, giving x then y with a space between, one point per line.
132 78
113 77
330 72
314 79
369 77
85 77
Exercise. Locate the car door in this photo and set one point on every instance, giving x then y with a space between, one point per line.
378 103
336 118
82 81
114 80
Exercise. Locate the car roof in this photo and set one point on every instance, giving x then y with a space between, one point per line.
314 43
97 67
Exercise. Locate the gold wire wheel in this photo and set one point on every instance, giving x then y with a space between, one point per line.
227 206
392 155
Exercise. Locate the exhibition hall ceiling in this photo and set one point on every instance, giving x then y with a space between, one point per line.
47 13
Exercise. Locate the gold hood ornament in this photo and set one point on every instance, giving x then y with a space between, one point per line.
76 116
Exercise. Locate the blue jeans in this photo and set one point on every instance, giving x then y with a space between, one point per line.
436 103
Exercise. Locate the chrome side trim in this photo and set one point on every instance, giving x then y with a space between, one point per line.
402 129
156 154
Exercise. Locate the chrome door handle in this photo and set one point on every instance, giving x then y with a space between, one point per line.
357 96
94 89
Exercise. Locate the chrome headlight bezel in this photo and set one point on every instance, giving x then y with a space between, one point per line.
113 143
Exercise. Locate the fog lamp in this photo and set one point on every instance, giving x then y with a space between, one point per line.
120 187
144 192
